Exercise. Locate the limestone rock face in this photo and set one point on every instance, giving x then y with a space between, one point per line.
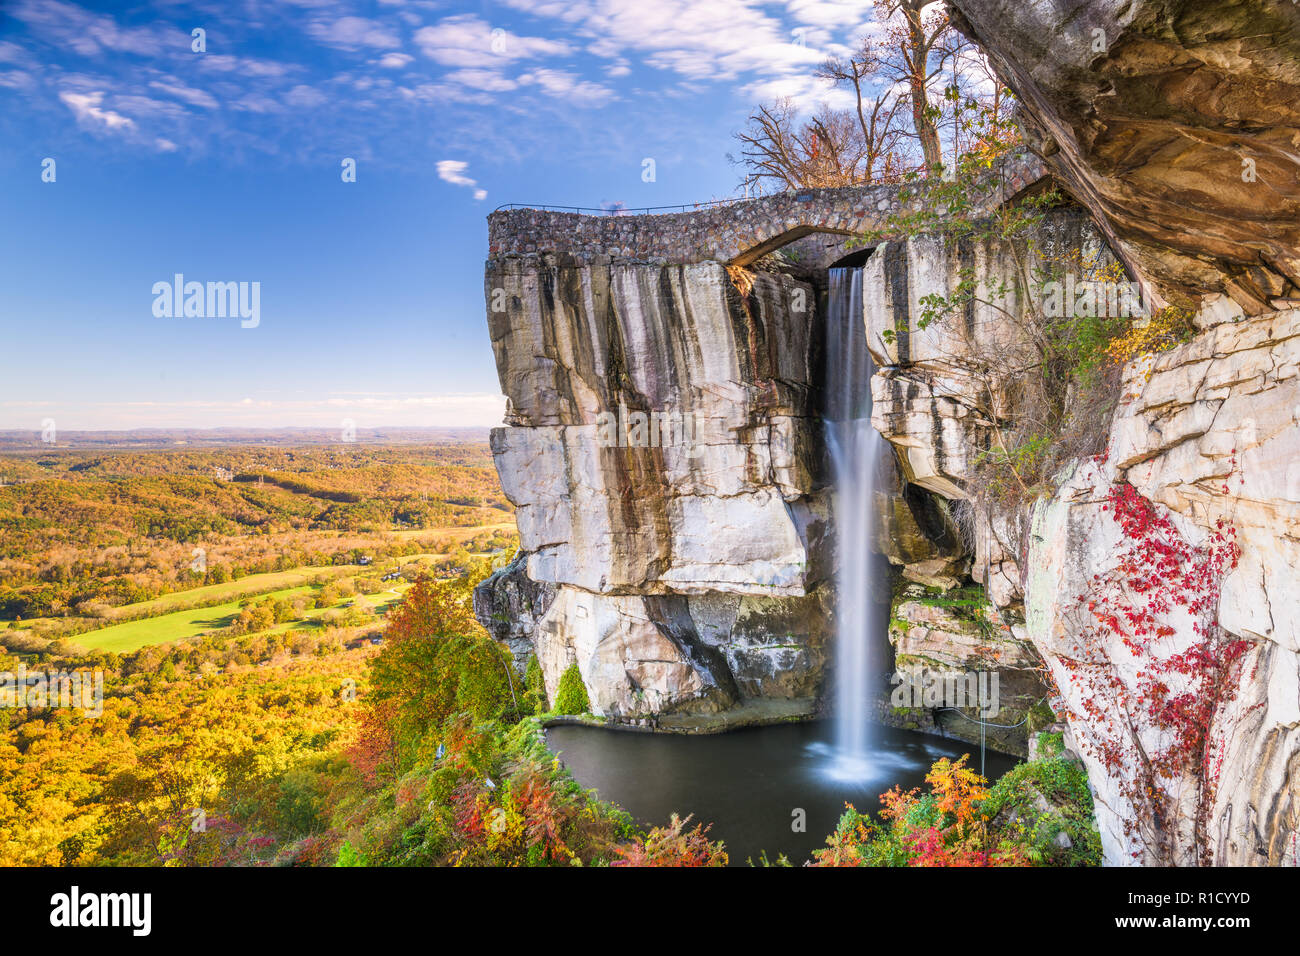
1176 122
1211 434
510 604
937 395
644 655
665 460
927 629
941 395
913 527
957 639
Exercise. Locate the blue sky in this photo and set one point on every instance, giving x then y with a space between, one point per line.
225 165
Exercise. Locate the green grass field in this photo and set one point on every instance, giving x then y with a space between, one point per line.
182 625
168 628
250 586
178 616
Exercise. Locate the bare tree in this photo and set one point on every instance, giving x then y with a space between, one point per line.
779 148
877 118
914 56
873 141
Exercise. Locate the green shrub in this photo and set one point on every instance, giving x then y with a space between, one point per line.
1035 802
535 684
571 695
348 856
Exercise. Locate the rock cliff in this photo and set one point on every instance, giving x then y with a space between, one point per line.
668 482
1177 122
1178 125
1209 432
688 574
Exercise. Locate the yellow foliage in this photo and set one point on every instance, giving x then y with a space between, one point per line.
1166 329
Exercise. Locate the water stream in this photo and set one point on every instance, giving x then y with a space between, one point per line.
782 788
854 448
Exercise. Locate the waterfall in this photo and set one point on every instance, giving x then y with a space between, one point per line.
854 448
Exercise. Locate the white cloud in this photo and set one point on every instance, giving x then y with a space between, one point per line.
465 40
807 92
770 47
569 86
17 80
453 171
305 97
246 66
395 61
352 33
89 34
188 94
257 103
146 107
481 80
85 106
13 53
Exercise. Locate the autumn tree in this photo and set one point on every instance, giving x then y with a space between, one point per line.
913 56
437 662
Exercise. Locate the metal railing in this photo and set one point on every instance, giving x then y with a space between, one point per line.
617 210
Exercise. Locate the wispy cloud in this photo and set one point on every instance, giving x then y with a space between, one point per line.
93 34
466 41
568 86
353 33
294 79
85 106
182 92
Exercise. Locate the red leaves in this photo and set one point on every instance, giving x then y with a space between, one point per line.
1158 573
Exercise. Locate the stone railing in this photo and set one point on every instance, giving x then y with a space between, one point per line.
735 233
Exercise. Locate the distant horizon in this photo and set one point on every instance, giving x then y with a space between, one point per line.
181 430
364 410
20 440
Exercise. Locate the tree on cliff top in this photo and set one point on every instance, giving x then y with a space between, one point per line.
912 86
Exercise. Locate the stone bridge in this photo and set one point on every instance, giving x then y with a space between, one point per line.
734 233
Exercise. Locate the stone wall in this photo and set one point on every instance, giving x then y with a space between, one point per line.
737 233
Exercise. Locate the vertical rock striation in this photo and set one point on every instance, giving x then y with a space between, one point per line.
684 560
1177 123
1209 431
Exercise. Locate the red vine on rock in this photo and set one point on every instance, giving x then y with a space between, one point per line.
1159 576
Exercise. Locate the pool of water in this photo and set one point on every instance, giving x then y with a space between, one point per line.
749 783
